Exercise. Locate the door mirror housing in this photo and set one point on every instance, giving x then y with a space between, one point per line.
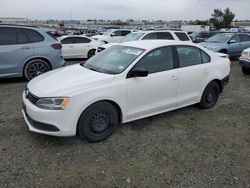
137 72
113 35
232 41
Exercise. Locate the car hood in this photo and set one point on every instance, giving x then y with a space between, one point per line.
99 36
211 45
65 81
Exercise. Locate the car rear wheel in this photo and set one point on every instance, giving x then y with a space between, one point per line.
91 53
35 68
98 122
246 70
210 96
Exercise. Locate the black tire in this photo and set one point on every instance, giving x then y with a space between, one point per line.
35 68
98 122
91 53
210 96
245 70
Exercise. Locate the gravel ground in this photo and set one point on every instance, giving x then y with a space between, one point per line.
184 148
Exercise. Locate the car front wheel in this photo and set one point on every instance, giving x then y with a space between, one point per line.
210 96
35 68
91 53
98 122
246 70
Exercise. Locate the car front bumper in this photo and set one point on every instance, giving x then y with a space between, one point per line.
49 122
244 62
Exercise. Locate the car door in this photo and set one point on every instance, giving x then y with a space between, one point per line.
245 41
68 47
82 47
234 46
156 92
15 49
191 74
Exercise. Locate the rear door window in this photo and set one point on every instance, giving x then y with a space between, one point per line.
165 36
79 40
8 36
189 56
33 36
21 37
182 36
244 38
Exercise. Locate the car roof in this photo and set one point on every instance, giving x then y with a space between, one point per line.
67 36
151 44
157 31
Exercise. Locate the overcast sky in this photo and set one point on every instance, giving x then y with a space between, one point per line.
121 9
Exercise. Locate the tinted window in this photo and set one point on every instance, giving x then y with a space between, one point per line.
244 38
33 36
21 37
124 33
7 36
69 40
165 35
236 38
157 60
188 56
182 36
116 33
82 40
205 57
150 36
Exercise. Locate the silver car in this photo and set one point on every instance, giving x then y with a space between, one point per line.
27 51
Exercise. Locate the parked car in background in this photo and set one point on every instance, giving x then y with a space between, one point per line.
77 46
244 61
151 35
229 43
198 37
126 82
113 35
27 51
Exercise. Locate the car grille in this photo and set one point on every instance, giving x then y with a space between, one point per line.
32 98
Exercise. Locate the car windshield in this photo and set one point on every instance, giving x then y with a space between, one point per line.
108 32
219 38
113 60
132 37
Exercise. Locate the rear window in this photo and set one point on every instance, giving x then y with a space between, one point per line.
182 36
7 36
33 36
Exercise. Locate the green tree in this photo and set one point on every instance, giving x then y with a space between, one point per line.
228 18
222 19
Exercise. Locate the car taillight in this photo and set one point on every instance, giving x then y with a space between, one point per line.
56 46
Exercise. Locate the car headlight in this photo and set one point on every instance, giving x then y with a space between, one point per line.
53 103
245 54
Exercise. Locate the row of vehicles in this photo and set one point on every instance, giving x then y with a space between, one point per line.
30 51
125 82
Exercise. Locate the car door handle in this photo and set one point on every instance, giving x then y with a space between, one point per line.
25 48
205 71
172 78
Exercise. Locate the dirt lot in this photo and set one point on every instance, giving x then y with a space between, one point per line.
185 148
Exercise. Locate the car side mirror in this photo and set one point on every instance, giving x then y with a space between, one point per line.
137 72
113 35
232 41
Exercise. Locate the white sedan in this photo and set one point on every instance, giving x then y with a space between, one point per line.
76 46
124 83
